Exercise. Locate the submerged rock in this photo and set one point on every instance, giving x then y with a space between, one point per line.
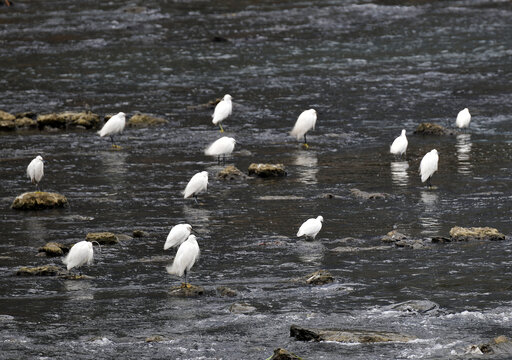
139 233
241 308
231 173
39 200
458 233
225 291
103 238
347 336
282 354
45 270
432 129
367 195
188 290
500 345
319 277
154 338
267 170
209 105
54 249
415 306
75 277
144 120
393 236
87 120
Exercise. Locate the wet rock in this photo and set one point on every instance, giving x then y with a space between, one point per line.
75 277
218 38
367 195
7 121
267 170
27 114
123 237
319 277
139 234
231 173
500 345
441 239
225 291
154 338
432 129
103 238
5 116
144 120
347 336
393 236
25 122
87 120
415 306
188 290
330 196
209 105
411 243
458 233
241 308
54 249
45 270
282 354
348 249
39 200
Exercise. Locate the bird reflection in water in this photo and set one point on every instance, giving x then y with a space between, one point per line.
114 163
308 162
399 175
78 290
196 215
463 147
430 217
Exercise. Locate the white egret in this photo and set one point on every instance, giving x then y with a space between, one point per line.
186 256
35 170
222 111
113 126
81 253
178 234
428 166
305 122
399 146
197 184
223 146
463 118
311 227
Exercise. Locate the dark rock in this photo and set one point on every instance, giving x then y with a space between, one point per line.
54 249
144 120
45 270
282 354
209 105
27 114
225 291
267 170
441 239
348 249
347 336
411 243
432 129
320 277
393 236
103 238
140 233
458 233
500 345
231 173
154 338
241 308
218 38
187 290
367 195
39 200
75 277
415 306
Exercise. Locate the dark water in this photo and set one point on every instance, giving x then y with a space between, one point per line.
368 68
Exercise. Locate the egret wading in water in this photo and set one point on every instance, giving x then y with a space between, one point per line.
311 227
80 254
222 111
463 119
223 146
35 170
186 256
178 234
197 184
399 145
305 122
113 126
428 166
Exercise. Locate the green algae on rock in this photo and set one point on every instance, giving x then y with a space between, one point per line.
39 200
267 170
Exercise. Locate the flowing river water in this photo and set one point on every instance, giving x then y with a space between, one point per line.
368 68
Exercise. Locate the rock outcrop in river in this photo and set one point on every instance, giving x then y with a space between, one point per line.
39 200
144 120
458 233
347 336
433 129
267 170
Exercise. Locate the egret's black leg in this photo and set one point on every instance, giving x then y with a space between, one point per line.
195 198
429 183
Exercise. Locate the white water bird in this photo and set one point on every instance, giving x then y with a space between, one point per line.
463 118
81 253
305 122
399 146
311 227
428 166
186 256
113 126
222 111
35 170
178 234
223 146
197 184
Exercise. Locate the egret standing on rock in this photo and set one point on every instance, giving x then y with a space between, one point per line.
35 170
81 253
178 234
311 227
223 146
114 126
399 146
222 111
187 254
463 119
197 184
305 122
428 166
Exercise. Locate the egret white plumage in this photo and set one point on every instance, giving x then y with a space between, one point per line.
186 256
178 234
428 166
311 227
463 118
81 253
305 122
35 170
399 145
223 146
196 185
113 126
222 111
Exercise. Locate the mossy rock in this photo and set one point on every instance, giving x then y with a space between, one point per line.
458 233
231 173
39 200
143 120
103 238
154 338
139 234
267 170
25 122
282 354
63 120
347 336
45 270
187 290
432 129
225 291
5 116
54 249
367 195
209 105
319 277
7 125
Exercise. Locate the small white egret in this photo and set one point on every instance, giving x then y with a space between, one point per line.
399 146
81 253
197 184
463 118
178 234
113 126
311 227
223 146
35 170
305 122
186 256
222 111
428 166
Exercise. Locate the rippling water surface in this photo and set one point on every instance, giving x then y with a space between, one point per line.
368 68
